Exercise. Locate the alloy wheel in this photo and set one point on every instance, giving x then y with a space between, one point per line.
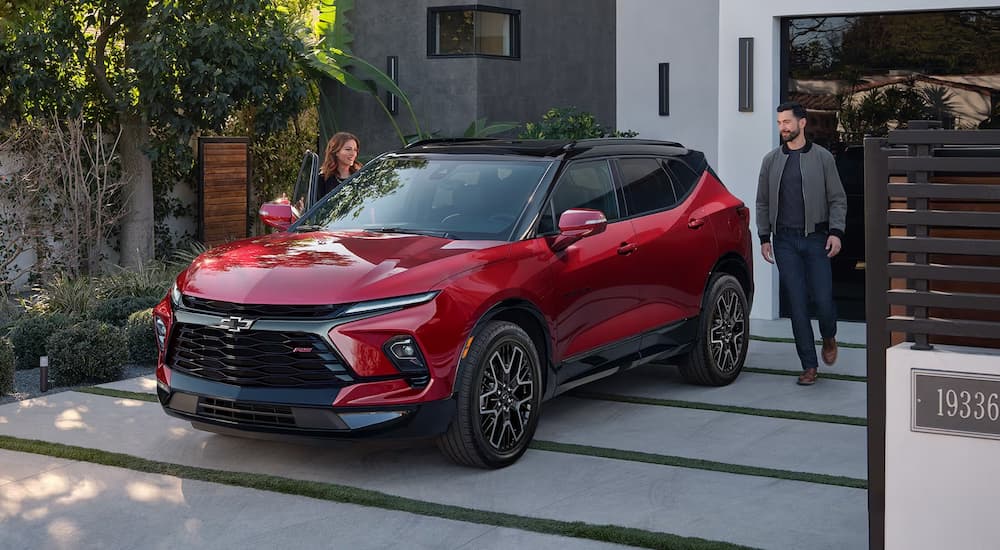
727 330
505 397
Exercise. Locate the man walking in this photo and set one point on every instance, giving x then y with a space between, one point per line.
802 208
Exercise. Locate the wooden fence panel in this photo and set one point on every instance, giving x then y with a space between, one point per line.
224 189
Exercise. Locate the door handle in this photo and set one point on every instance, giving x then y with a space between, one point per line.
695 223
627 248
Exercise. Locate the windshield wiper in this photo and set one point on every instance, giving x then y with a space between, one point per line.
309 227
408 231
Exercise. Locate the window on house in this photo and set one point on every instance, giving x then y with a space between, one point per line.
473 30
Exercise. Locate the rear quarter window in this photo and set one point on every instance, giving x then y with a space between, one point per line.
646 186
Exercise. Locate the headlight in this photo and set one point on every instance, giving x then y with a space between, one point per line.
390 303
175 296
161 331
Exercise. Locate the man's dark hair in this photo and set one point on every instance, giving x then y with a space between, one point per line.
798 110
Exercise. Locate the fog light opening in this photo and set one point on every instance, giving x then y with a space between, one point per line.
405 354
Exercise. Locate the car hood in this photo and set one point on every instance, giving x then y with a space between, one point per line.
331 267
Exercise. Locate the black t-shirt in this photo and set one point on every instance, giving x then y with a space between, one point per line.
791 205
327 184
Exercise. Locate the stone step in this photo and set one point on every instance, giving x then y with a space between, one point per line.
763 391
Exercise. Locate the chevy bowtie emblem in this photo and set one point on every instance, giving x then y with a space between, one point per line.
234 324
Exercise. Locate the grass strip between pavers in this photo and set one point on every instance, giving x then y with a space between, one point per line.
108 392
792 341
615 454
773 413
365 497
824 374
697 464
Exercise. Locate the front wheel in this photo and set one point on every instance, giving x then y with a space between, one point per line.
723 335
499 389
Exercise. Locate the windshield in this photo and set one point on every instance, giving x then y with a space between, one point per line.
463 198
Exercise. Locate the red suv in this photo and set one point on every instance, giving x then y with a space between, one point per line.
450 288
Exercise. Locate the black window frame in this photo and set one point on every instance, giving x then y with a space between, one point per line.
515 31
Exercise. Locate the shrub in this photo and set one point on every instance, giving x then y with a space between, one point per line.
141 337
151 280
569 123
6 366
73 296
89 351
115 311
30 334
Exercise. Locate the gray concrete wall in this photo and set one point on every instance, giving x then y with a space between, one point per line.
567 59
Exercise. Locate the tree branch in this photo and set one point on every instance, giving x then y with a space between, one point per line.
98 67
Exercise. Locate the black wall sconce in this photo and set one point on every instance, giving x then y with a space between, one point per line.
392 69
664 89
746 75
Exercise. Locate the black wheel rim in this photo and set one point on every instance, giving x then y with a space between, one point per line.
727 331
506 397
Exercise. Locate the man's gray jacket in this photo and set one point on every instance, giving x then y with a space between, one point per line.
822 193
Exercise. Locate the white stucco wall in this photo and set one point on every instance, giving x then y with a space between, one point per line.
940 490
683 33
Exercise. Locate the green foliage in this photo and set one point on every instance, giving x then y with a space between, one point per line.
151 281
480 128
141 337
89 351
30 334
569 123
881 109
6 366
71 296
116 310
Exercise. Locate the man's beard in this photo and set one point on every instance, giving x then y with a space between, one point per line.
791 136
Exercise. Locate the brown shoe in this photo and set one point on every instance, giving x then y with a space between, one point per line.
808 378
829 350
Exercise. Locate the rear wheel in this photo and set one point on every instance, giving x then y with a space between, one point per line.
723 333
499 390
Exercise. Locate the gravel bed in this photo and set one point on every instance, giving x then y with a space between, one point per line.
26 382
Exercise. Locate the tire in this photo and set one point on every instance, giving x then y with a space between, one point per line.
499 392
723 335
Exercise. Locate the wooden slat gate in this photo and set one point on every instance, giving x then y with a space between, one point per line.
223 189
932 223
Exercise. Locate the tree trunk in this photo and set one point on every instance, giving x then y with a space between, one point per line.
136 238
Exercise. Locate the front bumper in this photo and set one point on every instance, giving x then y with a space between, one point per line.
296 412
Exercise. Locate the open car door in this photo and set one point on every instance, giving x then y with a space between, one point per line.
283 211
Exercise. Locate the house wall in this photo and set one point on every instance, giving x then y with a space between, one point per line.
700 41
567 59
685 34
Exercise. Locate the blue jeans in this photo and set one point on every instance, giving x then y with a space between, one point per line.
804 273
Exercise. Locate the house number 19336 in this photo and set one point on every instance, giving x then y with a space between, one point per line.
955 403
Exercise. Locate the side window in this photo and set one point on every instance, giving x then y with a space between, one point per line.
582 185
684 177
646 185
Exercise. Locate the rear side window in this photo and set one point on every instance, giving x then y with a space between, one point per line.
582 185
684 177
646 186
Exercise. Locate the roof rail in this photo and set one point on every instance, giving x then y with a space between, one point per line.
632 141
429 141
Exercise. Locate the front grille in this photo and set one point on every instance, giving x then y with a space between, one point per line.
269 311
245 413
257 358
